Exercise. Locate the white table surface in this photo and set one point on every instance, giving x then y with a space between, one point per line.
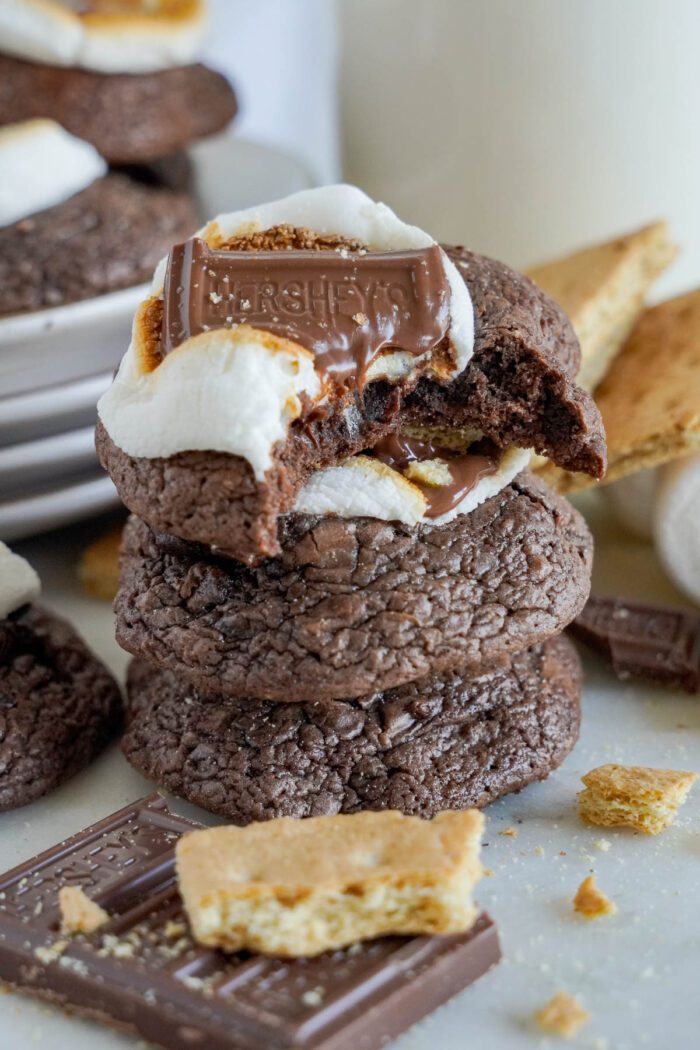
638 972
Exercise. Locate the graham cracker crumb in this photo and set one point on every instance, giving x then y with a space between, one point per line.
592 902
78 913
562 1015
51 953
511 833
633 796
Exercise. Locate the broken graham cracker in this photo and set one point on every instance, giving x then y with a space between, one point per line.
562 1015
602 288
650 398
633 796
591 902
98 568
300 887
78 913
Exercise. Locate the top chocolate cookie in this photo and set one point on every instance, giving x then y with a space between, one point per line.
284 339
122 76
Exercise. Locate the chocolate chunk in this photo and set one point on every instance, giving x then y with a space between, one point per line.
346 308
651 642
144 973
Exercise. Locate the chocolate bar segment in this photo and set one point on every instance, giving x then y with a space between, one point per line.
144 973
345 307
651 642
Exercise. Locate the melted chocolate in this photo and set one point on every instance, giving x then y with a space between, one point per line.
345 307
466 468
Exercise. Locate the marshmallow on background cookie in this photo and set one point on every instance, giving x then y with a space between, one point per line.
42 165
236 389
663 504
19 583
126 38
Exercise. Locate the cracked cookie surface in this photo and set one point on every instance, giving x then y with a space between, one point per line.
353 606
58 705
441 743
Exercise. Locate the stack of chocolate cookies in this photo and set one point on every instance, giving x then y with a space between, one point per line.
98 103
343 588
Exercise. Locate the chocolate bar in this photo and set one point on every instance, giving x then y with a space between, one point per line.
651 642
144 973
344 307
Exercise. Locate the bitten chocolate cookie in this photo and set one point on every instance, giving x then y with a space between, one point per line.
353 606
518 389
106 237
440 743
129 117
58 705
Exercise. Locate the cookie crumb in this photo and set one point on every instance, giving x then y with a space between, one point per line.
78 913
510 833
633 796
562 1015
592 902
360 319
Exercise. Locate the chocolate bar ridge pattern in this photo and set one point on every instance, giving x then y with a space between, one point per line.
652 642
144 974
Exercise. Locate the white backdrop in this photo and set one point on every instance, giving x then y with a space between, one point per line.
525 127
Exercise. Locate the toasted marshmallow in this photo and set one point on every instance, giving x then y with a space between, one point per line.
364 487
124 38
199 402
42 165
19 584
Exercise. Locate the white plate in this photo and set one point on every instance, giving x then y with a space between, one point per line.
27 466
66 342
51 410
48 510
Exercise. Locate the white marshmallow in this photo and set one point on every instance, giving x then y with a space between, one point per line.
146 41
364 487
42 165
19 584
202 397
677 523
230 390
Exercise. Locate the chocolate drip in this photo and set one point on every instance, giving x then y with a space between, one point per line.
466 468
345 307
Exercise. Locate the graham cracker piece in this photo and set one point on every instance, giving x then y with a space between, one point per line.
300 887
602 288
650 398
78 913
98 568
633 796
591 902
562 1015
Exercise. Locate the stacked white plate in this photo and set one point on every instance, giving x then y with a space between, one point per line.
55 364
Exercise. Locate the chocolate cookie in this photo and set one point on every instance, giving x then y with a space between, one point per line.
353 606
58 705
108 236
518 389
128 117
441 743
